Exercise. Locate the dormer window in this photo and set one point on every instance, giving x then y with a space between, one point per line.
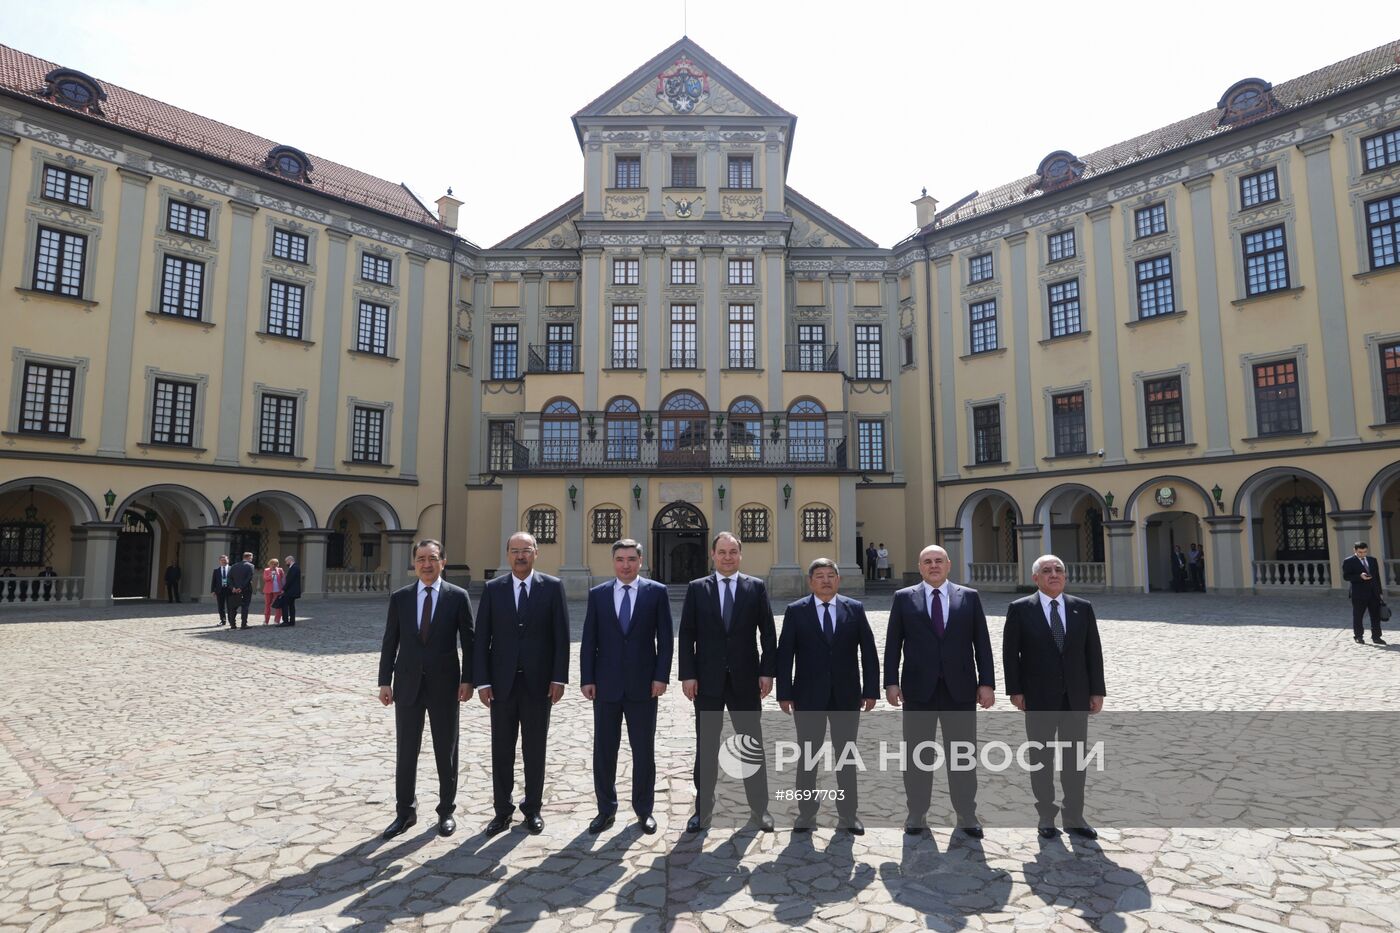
75 89
1246 100
1057 170
289 163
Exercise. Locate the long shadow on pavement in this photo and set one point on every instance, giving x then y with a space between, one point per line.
946 887
1099 890
804 880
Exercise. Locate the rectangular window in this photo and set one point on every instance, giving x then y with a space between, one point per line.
278 429
189 219
683 337
543 524
1381 150
742 349
1390 381
69 187
979 268
869 349
1166 422
59 261
47 405
816 524
753 524
285 303
1061 245
182 287
682 271
986 434
908 344
22 544
372 329
1277 406
629 172
811 348
740 172
1150 220
172 413
626 271
1383 230
607 525
559 348
377 269
1265 261
1064 309
1259 188
1070 435
982 321
741 272
505 351
501 446
871 437
367 436
1154 287
289 246
624 337
683 175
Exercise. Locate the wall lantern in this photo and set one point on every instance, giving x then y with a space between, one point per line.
637 495
787 494
228 506
110 498
720 492
1108 504
1217 492
573 496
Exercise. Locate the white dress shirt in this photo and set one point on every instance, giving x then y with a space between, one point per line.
944 591
437 597
1045 608
617 595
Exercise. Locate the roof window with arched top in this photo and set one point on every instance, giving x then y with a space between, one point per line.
75 89
1057 170
1246 100
289 163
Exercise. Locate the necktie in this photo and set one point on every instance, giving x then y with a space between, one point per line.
1057 627
935 611
726 606
225 576
827 627
427 615
520 603
624 615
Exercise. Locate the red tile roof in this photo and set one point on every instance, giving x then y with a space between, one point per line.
22 75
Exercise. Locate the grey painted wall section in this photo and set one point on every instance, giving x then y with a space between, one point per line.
773 330
1105 298
944 377
7 158
846 529
1331 299
413 366
592 323
121 333
510 508
332 351
475 461
531 331
655 318
714 356
841 321
783 522
889 299
236 336
1021 354
574 520
1208 299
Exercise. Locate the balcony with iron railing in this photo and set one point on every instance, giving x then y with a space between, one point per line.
812 358
630 453
552 358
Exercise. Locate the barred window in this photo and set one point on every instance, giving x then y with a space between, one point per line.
683 175
278 428
1150 220
624 337
741 272
367 435
378 269
626 271
543 524
285 302
372 329
684 354
505 351
1390 381
629 172
189 219
1381 150
1383 230
73 188
753 524
682 271
1259 188
1162 404
740 172
47 405
986 434
22 544
742 349
979 268
816 524
1061 245
1302 529
1277 406
982 321
1070 434
1064 308
182 287
59 262
869 352
172 413
500 455
1265 261
607 525
1154 287
289 246
871 437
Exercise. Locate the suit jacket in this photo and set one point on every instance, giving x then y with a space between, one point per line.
536 644
216 579
623 667
1362 590
240 576
1035 668
828 675
172 574
708 652
291 587
928 658
410 662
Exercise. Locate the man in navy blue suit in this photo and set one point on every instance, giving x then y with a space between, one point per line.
821 635
625 664
941 630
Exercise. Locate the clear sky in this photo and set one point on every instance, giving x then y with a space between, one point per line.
890 96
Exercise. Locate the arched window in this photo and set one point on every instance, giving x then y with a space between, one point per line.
806 432
289 163
745 430
75 89
622 429
559 432
1245 100
685 418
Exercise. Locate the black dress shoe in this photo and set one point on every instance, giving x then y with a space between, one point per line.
498 824
1048 832
697 823
1083 832
400 824
534 824
855 827
972 832
804 825
647 824
601 822
1360 640
915 829
764 821
1377 641
447 826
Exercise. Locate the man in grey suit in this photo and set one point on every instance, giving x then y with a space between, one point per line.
240 583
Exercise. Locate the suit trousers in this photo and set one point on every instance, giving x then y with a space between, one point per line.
526 715
224 600
289 610
709 723
442 722
959 724
1359 608
607 739
1064 725
245 599
811 733
172 592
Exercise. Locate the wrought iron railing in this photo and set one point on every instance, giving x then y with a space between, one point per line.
552 358
652 454
812 358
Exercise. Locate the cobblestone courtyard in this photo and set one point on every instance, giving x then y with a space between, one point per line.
156 770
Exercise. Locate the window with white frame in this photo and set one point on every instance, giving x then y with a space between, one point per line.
1061 245
869 349
46 406
505 351
753 524
816 524
979 268
743 353
1277 402
1381 150
684 172
1265 261
741 272
626 271
625 324
1064 308
607 525
1259 188
1165 412
1155 293
1390 381
376 269
67 186
740 172
682 271
986 434
60 261
543 525
289 246
1150 220
684 353
1383 231
628 172
1071 436
982 325
870 437
277 427
372 329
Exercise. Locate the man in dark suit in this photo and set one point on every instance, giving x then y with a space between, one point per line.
172 583
625 664
1363 573
222 592
291 591
1053 661
240 582
821 636
521 665
941 630
427 622
724 614
1178 569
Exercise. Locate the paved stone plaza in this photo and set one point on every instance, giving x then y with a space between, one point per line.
158 771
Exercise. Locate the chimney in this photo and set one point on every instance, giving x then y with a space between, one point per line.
924 209
447 210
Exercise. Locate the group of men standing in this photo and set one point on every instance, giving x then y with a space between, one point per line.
824 665
232 587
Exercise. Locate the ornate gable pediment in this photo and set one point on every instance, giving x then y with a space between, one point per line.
815 228
555 230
